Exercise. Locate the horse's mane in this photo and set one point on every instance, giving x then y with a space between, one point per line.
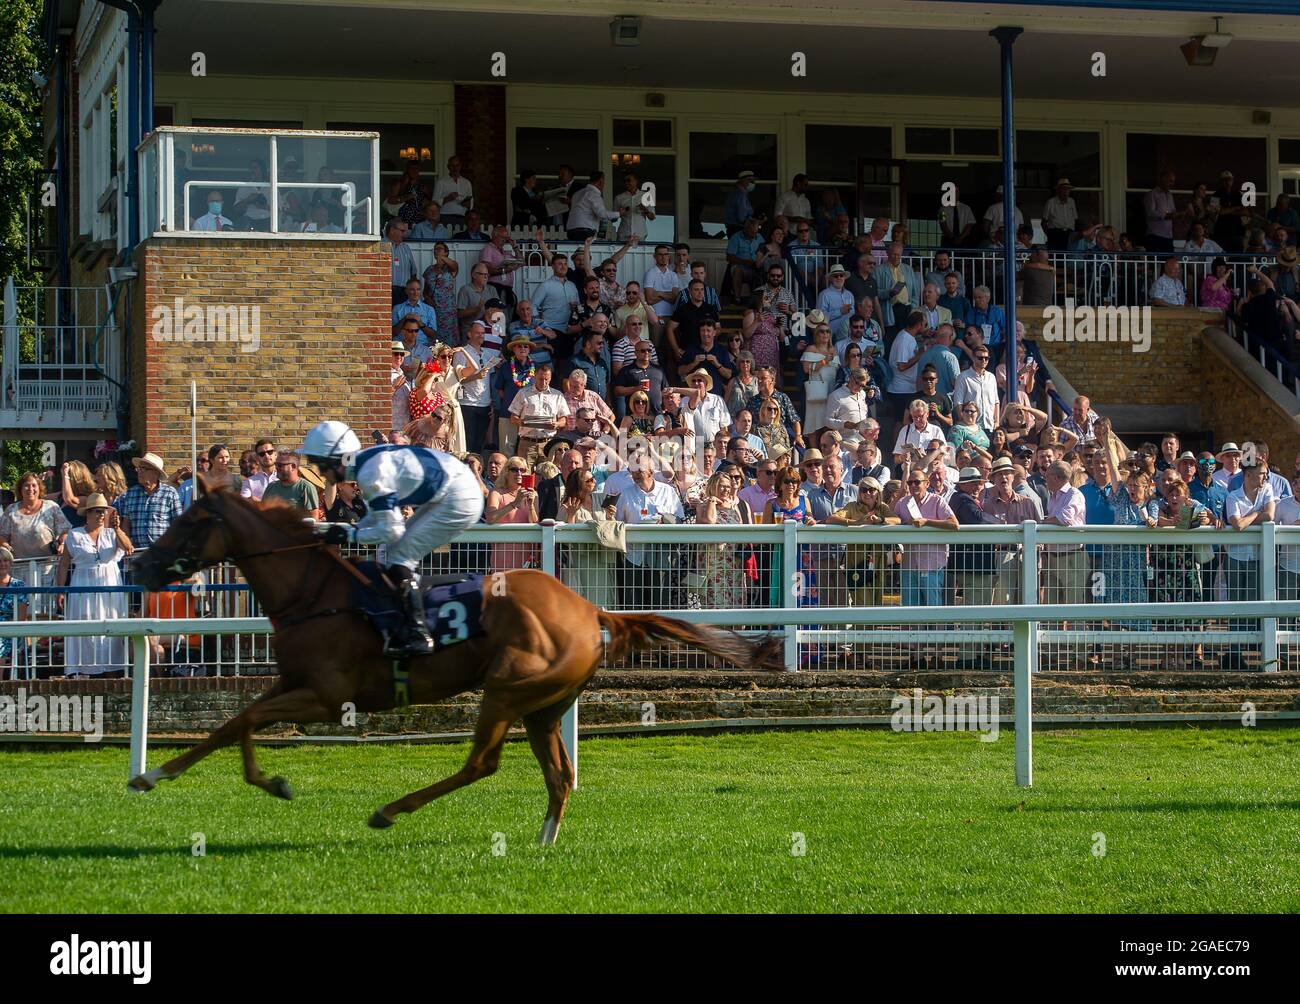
285 517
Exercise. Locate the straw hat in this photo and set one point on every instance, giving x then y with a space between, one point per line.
93 501
312 476
150 460
519 340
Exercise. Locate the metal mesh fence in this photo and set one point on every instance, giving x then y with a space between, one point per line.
685 568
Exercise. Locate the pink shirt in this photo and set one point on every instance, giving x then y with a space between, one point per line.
1068 507
1215 299
492 256
924 557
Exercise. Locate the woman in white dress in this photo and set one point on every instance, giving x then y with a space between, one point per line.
92 553
820 362
587 569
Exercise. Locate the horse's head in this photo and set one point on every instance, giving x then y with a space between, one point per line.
197 540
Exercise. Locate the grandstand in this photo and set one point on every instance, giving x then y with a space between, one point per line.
247 214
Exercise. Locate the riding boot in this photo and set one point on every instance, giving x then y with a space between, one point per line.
413 637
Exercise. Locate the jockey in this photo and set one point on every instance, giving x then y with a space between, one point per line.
444 491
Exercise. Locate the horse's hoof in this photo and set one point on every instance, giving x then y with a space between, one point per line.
140 783
280 788
379 821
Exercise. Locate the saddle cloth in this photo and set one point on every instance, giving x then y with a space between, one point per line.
453 610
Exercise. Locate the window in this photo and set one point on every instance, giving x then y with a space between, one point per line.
544 150
1195 160
716 159
1288 151
643 133
943 141
1043 156
831 154
398 143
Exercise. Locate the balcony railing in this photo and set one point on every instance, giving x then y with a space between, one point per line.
269 182
62 358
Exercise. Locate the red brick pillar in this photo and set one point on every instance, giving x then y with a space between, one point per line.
481 143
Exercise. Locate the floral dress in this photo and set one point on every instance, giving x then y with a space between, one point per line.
765 341
721 569
440 294
1125 565
9 613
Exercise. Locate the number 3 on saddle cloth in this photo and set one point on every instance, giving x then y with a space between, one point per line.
453 611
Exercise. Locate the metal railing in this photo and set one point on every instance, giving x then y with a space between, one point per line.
173 159
814 572
1091 278
62 358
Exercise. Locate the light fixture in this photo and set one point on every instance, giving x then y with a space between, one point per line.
425 153
1201 50
625 30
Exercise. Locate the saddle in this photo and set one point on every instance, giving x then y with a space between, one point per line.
453 604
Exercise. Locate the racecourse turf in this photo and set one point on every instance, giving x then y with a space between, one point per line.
1191 820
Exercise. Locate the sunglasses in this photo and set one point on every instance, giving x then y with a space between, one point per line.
916 482
264 453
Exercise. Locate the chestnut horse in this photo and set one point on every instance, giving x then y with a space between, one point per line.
540 647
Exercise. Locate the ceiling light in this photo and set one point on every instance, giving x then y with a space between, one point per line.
1201 50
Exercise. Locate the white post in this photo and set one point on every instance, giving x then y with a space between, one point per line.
273 176
789 595
1268 591
1026 654
139 703
569 724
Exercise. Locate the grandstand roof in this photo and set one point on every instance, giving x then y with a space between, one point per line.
681 41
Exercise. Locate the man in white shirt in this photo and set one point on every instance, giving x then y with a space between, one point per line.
645 500
538 412
587 212
631 207
403 260
1198 242
903 356
979 385
848 407
793 204
1230 458
992 218
1287 513
255 484
454 194
1060 216
1250 505
212 219
956 222
661 284
915 437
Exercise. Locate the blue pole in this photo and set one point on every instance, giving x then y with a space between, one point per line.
1006 37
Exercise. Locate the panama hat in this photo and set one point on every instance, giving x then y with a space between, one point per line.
150 460
399 347
1229 448
869 482
93 501
1063 181
1287 256
1002 464
812 456
969 474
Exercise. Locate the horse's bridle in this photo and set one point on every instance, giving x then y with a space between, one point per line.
186 560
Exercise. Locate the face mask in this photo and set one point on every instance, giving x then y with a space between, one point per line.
214 208
749 187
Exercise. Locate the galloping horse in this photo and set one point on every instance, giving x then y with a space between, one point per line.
540 647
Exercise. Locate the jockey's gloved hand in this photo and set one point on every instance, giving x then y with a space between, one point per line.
339 533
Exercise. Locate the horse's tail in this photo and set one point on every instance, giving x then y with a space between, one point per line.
632 631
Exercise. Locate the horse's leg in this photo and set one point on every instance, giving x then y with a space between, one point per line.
301 705
494 720
548 746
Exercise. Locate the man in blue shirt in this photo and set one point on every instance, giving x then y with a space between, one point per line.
991 320
428 317
742 256
553 303
941 356
1205 490
739 208
836 302
1281 487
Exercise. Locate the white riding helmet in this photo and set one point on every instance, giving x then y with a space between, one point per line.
330 440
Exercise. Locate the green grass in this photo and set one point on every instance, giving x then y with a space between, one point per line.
1194 820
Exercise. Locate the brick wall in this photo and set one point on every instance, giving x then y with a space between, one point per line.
320 351
187 706
481 143
1192 364
1111 372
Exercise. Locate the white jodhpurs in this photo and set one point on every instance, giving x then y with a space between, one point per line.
457 507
